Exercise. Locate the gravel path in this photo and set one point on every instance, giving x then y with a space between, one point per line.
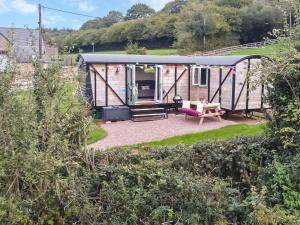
129 132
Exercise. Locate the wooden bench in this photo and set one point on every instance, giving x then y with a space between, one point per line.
209 110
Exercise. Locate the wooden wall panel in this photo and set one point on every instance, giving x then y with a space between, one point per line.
116 79
198 92
241 75
183 83
214 83
168 81
100 91
226 96
255 85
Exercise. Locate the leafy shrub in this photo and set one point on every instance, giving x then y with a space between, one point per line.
208 183
42 131
134 49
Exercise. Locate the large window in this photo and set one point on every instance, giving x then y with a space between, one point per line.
200 76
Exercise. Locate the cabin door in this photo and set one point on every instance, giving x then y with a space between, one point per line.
158 96
132 91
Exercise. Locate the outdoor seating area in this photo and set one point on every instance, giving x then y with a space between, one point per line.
201 109
122 133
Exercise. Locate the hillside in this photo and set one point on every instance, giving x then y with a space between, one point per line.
182 24
267 50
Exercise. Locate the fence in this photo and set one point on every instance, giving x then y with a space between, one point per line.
226 50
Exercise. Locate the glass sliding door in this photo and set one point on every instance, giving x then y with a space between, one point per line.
132 91
158 97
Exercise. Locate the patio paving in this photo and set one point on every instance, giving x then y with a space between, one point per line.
128 132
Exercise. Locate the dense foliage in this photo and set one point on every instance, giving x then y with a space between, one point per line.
48 176
111 18
139 11
42 132
134 49
225 182
184 23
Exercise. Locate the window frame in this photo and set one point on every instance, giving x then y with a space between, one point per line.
206 80
200 76
194 71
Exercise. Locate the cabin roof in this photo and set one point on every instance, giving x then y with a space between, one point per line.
223 60
154 59
135 59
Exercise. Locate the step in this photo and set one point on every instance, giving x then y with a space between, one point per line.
146 109
144 119
149 115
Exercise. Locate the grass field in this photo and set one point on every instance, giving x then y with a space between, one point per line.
267 50
169 51
218 134
96 134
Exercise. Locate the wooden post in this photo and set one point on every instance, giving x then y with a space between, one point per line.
126 85
176 79
233 89
220 85
106 86
248 86
208 84
189 85
40 32
95 87
262 96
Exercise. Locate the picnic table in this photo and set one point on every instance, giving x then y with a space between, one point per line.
209 110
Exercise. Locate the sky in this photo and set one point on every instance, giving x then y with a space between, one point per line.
24 13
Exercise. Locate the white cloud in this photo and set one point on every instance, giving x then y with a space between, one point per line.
86 6
51 19
82 5
3 5
155 4
23 6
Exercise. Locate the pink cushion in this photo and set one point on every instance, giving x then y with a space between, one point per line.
190 112
184 110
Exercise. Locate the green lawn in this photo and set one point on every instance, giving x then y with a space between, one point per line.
167 51
96 134
149 52
267 50
222 133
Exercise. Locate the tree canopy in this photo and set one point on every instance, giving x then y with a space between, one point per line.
184 24
139 11
174 6
111 18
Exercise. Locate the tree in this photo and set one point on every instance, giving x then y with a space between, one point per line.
283 76
258 19
42 135
199 20
113 17
174 6
135 49
234 3
138 11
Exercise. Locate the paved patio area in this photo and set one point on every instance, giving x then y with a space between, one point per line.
129 132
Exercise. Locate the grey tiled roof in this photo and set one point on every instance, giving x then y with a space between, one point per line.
153 59
25 43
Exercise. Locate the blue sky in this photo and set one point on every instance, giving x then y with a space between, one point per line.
23 13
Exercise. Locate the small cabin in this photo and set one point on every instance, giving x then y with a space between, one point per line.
135 80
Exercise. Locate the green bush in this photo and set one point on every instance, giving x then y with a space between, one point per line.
208 183
134 49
